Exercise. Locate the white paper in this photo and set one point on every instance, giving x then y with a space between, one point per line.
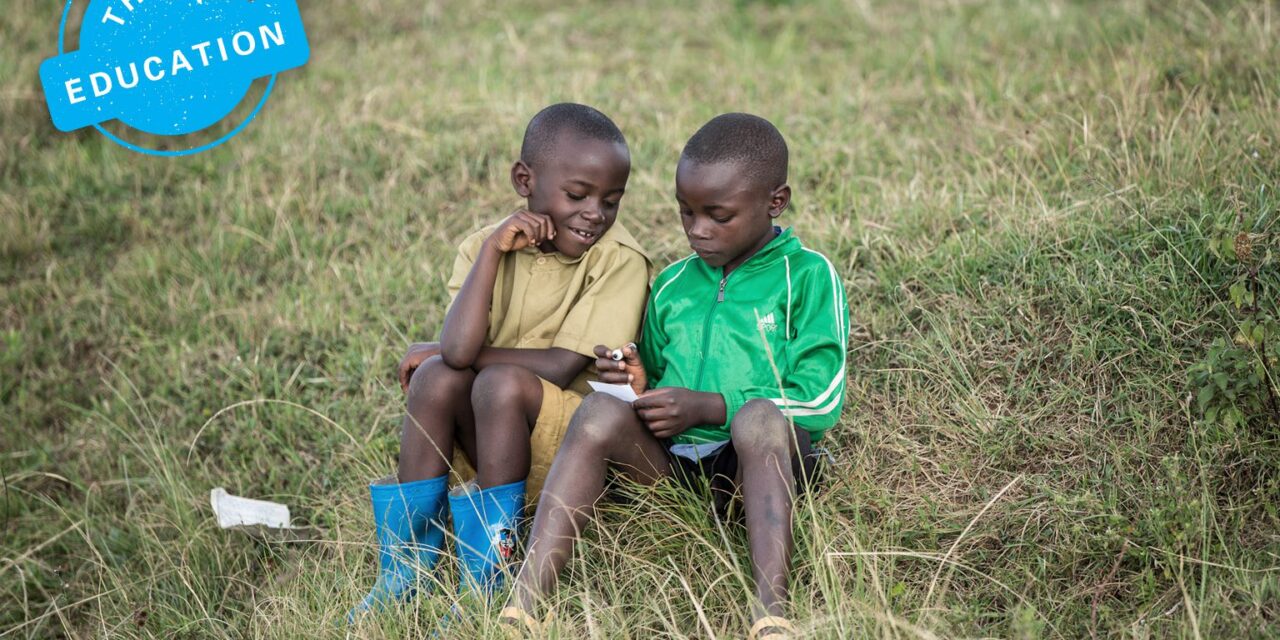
234 511
623 392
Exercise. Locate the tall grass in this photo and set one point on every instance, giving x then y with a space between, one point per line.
1019 196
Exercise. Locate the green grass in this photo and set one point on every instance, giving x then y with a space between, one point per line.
1019 195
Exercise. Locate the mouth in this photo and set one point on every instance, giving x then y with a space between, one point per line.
585 236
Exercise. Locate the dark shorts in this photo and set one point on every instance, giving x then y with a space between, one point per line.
719 470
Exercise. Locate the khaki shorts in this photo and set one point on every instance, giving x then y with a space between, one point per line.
558 406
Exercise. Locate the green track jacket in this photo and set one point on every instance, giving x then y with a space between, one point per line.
706 332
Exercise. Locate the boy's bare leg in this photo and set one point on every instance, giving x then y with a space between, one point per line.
603 431
506 400
765 443
438 410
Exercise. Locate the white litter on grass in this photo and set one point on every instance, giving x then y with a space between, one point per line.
234 511
623 392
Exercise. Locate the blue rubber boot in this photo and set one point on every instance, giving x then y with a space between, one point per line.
484 525
406 519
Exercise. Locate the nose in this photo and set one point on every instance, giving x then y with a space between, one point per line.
595 213
700 229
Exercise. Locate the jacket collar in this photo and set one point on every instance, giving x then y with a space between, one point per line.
783 244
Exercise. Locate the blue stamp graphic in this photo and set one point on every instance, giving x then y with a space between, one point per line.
170 67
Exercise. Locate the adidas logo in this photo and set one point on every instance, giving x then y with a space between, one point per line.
767 324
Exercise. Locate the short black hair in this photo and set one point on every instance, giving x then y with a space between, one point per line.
749 141
581 120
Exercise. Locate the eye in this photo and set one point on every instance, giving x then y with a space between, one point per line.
611 205
686 213
574 196
724 220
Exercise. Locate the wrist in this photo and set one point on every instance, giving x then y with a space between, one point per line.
490 247
713 408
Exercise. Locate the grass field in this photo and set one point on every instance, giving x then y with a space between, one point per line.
1023 198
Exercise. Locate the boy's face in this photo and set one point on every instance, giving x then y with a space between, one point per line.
578 184
727 215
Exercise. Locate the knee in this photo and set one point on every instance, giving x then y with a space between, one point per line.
503 383
760 426
599 420
434 382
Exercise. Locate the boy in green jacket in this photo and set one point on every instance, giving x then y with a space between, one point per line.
741 368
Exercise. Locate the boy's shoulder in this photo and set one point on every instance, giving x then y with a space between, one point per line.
618 243
470 244
808 260
799 260
674 271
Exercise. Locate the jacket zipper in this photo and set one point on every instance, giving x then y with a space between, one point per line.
706 333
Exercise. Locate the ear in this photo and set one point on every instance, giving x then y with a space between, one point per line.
522 179
778 200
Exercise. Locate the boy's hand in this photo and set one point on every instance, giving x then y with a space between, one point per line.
521 229
670 411
628 370
418 353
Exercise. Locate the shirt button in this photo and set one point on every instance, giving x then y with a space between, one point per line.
542 260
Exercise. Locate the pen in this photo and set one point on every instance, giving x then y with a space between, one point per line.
616 354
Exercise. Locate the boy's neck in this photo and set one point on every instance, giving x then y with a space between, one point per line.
742 259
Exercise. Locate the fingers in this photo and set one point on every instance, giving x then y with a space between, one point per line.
405 373
544 221
603 360
653 416
655 399
609 364
614 377
663 428
540 225
528 230
657 413
524 228
622 371
631 354
527 227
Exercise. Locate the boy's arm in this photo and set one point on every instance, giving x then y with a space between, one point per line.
555 365
653 340
813 377
607 312
812 391
668 411
467 321
558 366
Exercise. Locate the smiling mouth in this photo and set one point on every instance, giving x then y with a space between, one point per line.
583 235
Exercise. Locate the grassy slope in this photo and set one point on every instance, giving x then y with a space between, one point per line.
1017 193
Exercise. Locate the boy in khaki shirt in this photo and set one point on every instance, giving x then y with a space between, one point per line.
530 297
545 301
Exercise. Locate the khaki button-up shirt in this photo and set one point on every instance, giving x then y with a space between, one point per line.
544 300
